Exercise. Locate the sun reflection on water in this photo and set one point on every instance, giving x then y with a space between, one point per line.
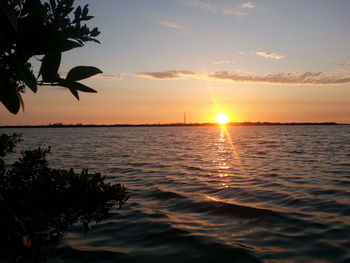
227 152
228 162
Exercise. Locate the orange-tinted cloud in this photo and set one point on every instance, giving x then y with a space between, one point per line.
269 55
248 5
169 74
213 8
106 76
224 62
346 63
315 78
100 76
287 78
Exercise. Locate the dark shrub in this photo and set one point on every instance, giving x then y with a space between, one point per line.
38 203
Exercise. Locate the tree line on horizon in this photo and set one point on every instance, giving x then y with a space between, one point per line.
58 125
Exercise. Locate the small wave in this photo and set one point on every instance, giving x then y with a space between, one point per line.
136 164
211 205
220 207
69 254
296 152
165 194
193 168
126 170
266 142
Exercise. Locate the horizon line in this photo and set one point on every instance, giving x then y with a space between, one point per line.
246 123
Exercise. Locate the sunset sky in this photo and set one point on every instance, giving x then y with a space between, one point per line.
266 60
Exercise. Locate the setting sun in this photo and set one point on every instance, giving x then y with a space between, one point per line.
221 118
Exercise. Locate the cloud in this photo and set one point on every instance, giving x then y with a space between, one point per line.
269 55
100 76
224 62
213 8
233 12
283 78
171 25
346 63
115 77
315 78
248 5
170 74
205 6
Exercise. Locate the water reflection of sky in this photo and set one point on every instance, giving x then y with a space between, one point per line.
266 188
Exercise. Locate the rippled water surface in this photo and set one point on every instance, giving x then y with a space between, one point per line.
212 194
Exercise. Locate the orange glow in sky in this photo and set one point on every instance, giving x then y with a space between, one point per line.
155 69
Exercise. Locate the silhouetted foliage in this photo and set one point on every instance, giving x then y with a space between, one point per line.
8 143
38 203
30 28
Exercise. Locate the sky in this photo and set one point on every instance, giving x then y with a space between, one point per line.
266 60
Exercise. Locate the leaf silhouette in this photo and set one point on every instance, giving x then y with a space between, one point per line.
49 67
75 85
9 14
9 94
25 75
82 72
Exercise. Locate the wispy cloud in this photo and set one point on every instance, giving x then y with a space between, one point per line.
346 63
315 78
171 25
283 78
169 74
213 8
248 5
233 12
202 5
224 62
269 55
115 77
100 76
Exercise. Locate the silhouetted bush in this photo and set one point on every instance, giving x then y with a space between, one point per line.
38 203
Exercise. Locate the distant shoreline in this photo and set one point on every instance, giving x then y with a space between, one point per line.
60 125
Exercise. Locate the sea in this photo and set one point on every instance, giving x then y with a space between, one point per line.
210 194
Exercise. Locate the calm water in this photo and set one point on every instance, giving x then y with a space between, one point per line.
210 194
